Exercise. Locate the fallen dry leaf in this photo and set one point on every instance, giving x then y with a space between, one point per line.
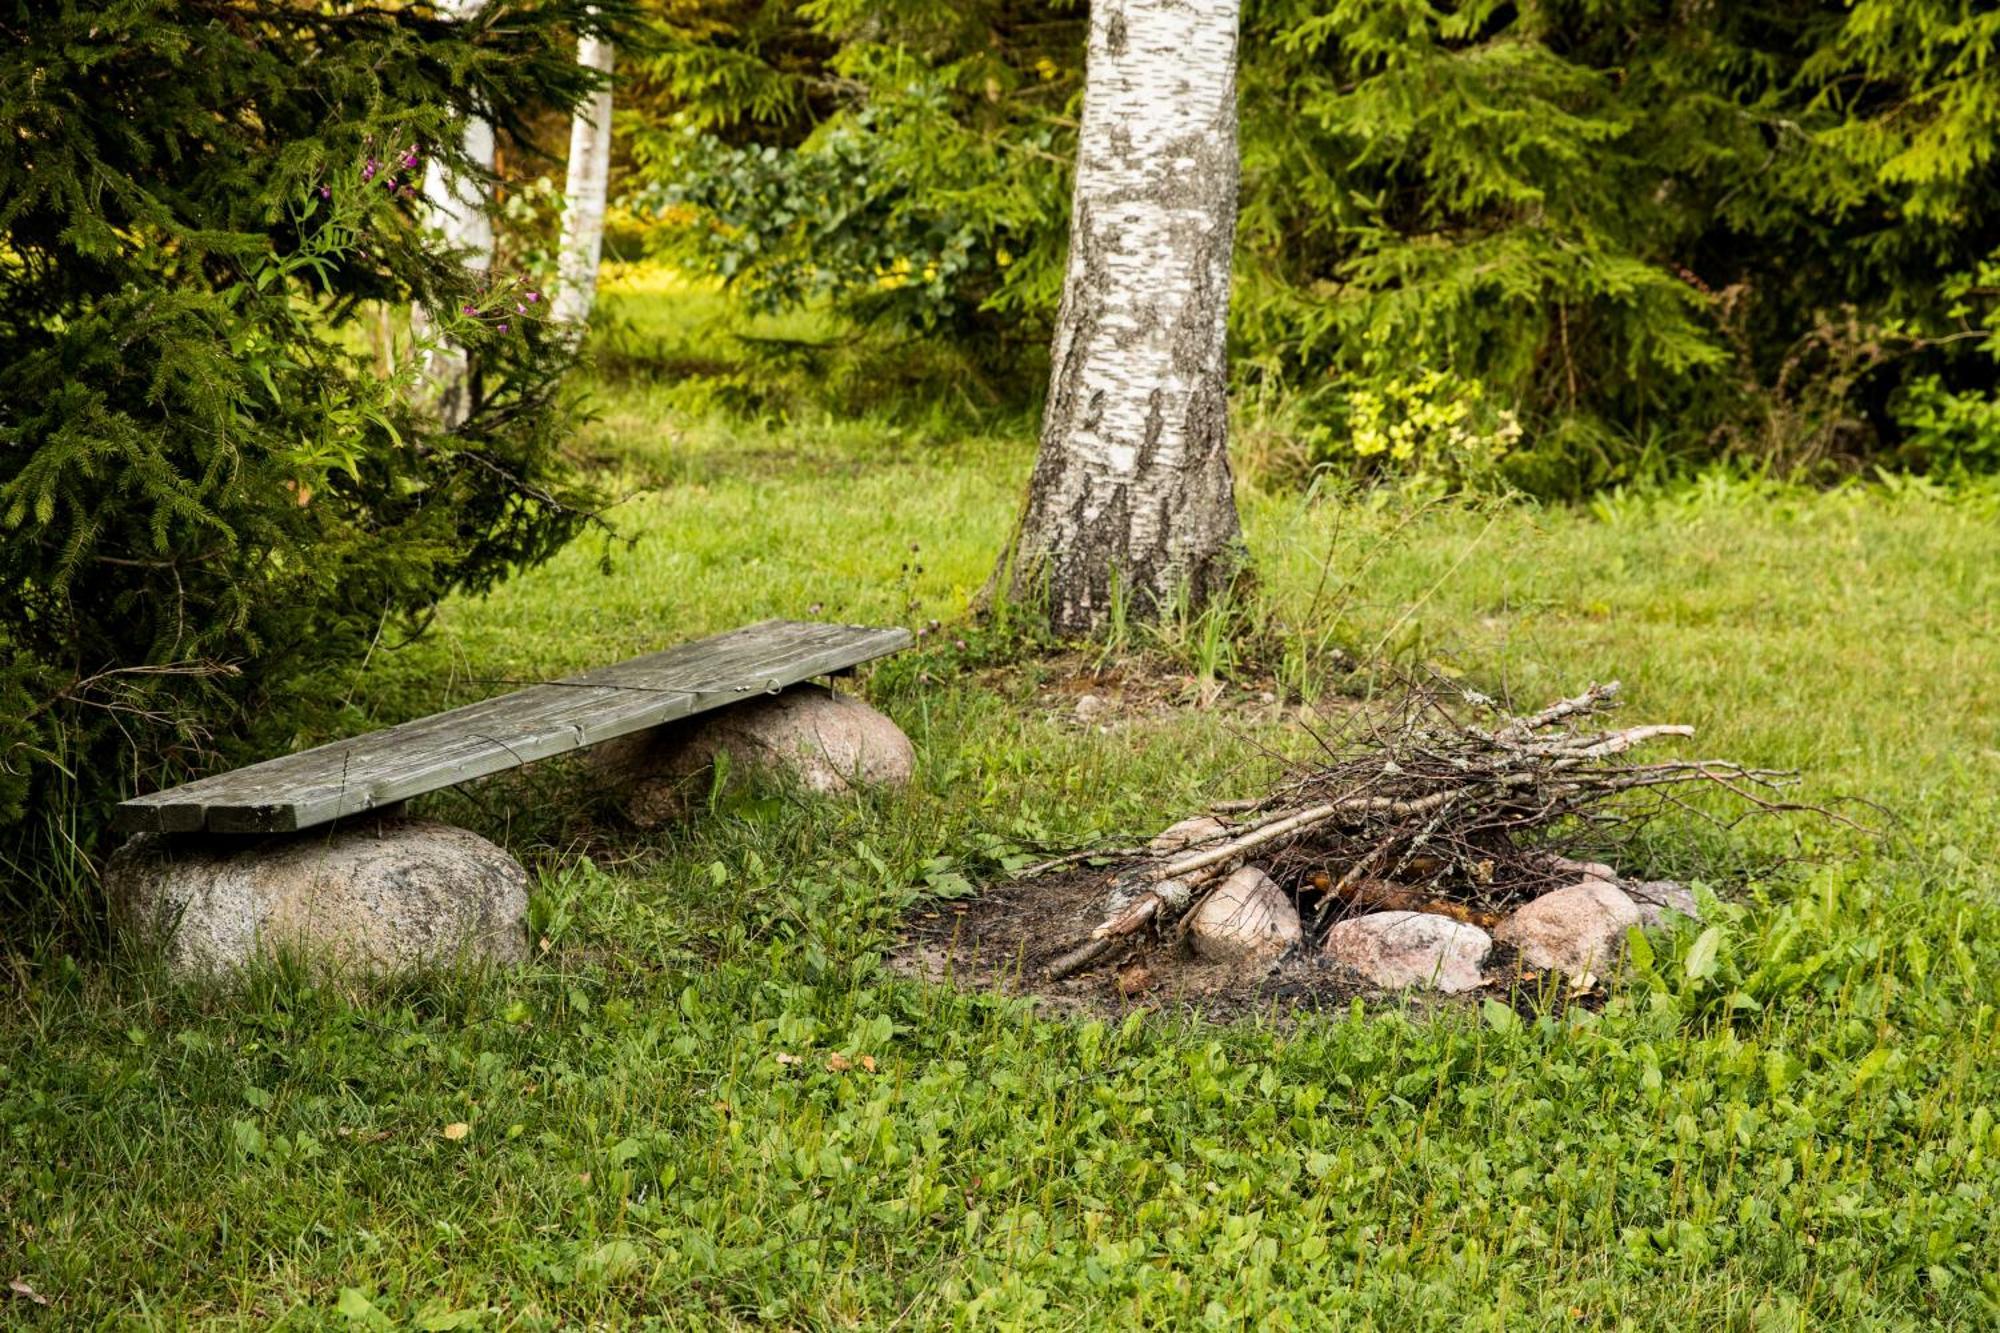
787 1058
457 1130
838 1063
868 1063
22 1289
1134 980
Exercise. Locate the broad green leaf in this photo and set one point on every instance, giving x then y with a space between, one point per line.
1700 961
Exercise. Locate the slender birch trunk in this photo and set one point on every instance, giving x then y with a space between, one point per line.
1132 482
457 207
584 196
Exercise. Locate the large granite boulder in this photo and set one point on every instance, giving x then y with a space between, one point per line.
1578 931
1395 950
377 895
1245 919
825 741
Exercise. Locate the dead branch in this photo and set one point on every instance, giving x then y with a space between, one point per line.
1421 793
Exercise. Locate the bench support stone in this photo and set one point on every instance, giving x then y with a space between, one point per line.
825 741
377 895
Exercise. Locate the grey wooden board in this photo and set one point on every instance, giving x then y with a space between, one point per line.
383 767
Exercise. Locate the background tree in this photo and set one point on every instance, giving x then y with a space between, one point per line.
582 243
209 491
1555 247
459 205
1131 490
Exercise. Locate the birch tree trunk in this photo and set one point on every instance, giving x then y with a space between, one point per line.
584 196
1132 481
457 208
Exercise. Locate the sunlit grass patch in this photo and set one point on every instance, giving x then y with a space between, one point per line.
1791 1126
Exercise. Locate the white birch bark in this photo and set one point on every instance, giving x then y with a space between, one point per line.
1132 481
584 197
457 208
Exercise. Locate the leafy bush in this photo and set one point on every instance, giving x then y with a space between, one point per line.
210 488
1648 231
927 193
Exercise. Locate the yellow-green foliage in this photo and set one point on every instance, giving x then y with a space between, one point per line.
1652 231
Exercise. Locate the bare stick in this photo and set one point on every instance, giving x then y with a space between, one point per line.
1620 741
1081 957
1417 789
1071 858
1588 702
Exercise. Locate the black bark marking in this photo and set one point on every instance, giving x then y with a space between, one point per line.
1156 421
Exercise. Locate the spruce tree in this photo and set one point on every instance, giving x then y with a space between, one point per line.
211 487
1562 244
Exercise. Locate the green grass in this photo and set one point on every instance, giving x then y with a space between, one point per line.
1797 1133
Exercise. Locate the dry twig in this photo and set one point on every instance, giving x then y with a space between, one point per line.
1423 793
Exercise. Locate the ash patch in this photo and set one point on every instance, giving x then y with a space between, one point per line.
1004 939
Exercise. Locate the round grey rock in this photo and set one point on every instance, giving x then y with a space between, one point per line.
1395 950
378 896
1576 931
825 741
1580 870
1656 897
1246 918
1186 833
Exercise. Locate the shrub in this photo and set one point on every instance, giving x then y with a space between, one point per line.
210 488
1649 231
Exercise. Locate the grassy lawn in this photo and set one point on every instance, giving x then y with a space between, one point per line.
1801 1136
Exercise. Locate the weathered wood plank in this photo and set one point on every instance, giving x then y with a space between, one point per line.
366 772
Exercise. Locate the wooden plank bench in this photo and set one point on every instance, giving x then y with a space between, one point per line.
383 767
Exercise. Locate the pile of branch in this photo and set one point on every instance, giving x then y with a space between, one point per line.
1424 798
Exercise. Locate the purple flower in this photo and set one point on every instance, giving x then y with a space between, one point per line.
520 309
534 296
503 328
368 170
410 160
472 310
325 193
